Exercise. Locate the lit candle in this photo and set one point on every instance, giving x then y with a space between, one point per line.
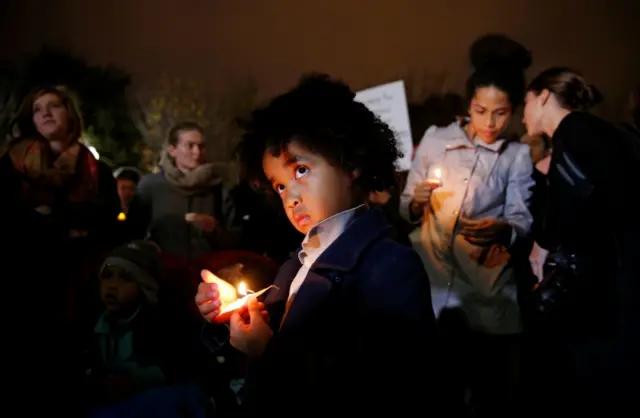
122 216
242 289
232 306
227 309
231 298
436 181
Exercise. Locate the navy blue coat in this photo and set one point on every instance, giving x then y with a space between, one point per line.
358 337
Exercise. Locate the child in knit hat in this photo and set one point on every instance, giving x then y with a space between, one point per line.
129 293
142 351
129 278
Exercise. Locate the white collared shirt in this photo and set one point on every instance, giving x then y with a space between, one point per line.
318 239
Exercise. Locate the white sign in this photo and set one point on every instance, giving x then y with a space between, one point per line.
389 102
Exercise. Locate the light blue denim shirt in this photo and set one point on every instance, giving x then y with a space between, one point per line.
479 181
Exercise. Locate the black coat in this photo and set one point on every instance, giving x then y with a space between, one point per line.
591 188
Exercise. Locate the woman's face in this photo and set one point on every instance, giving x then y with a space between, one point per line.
533 113
50 116
189 152
490 112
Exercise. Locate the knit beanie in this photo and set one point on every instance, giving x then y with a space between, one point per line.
142 260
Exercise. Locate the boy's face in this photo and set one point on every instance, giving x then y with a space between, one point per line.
118 290
126 190
311 189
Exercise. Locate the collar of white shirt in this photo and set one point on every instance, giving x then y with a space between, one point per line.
322 235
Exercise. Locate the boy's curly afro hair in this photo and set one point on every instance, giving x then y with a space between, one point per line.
321 114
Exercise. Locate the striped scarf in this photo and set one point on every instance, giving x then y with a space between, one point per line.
72 175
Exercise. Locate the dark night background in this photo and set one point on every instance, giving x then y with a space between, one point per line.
366 42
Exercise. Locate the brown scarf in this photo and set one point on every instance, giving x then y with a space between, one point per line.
198 180
73 174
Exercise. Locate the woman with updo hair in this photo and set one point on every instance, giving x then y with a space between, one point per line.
592 326
470 188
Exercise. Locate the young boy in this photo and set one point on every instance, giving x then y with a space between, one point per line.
127 180
143 356
350 324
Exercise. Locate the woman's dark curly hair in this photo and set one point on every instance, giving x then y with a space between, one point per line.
321 114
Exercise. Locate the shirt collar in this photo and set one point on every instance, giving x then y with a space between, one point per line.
323 234
461 140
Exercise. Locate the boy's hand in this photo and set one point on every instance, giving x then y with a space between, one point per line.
250 335
207 298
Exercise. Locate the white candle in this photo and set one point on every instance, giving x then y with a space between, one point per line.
242 289
237 304
436 180
242 294
245 293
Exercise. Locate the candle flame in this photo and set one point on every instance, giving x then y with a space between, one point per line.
437 173
122 217
242 288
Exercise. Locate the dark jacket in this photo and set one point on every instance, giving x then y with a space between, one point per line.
159 210
97 216
590 212
162 338
39 248
357 338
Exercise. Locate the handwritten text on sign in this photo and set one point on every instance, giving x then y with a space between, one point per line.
389 102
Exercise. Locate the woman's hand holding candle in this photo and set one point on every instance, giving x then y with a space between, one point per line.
250 335
435 181
421 197
422 192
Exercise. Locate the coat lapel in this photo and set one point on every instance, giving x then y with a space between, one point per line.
333 265
307 301
276 298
